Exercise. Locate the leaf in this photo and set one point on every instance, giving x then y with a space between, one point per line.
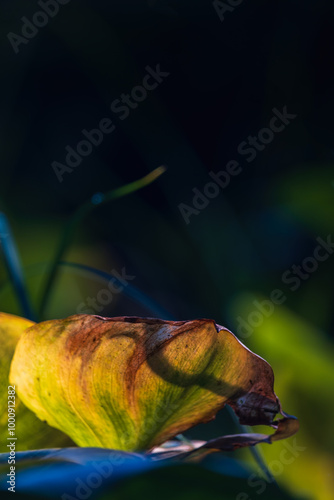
11 258
65 473
102 473
285 428
132 383
31 431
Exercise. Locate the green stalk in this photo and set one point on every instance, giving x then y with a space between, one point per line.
79 215
253 449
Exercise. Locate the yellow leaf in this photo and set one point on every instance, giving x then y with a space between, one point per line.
29 430
132 383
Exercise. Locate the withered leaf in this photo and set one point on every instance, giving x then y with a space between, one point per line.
132 383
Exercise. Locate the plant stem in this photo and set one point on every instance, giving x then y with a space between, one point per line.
129 290
253 449
79 215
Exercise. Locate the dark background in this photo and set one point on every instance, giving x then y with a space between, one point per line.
225 79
